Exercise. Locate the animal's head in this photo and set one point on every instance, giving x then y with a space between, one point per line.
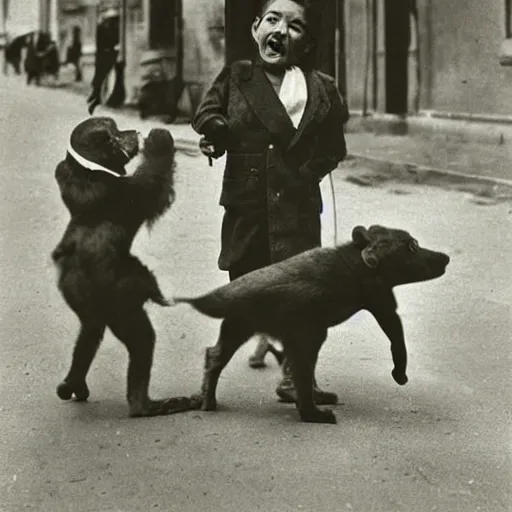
98 144
396 256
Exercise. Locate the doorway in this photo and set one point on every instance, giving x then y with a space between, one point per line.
397 39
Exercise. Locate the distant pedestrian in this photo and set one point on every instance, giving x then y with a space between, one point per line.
107 41
42 57
13 53
282 125
74 53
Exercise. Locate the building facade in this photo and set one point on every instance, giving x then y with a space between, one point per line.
429 55
157 33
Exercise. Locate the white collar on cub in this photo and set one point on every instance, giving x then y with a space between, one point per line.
88 164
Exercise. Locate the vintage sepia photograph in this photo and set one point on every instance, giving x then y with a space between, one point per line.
256 255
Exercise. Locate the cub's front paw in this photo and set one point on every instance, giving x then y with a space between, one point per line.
159 142
400 378
65 390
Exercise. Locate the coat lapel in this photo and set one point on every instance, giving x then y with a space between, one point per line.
265 103
316 109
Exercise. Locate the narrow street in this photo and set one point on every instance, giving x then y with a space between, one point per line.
441 443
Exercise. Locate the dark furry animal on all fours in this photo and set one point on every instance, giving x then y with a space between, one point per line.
297 300
100 280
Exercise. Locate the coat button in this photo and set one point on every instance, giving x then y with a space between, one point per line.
271 146
254 171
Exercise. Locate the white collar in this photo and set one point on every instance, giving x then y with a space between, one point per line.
88 164
294 94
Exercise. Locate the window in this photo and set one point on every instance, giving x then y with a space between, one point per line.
508 19
506 46
162 24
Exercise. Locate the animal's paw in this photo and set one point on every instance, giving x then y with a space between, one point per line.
65 390
400 379
318 416
159 142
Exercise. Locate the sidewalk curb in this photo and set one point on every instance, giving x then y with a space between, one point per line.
424 175
487 129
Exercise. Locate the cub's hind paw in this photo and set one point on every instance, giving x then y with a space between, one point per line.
65 390
318 416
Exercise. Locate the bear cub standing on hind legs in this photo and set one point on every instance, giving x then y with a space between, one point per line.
100 280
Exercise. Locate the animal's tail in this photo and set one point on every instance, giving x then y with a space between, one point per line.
158 298
206 304
139 283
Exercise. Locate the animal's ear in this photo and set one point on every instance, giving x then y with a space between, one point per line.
360 237
369 257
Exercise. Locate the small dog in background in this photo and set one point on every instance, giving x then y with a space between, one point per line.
100 280
296 300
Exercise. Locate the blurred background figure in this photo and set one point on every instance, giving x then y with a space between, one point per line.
107 50
13 53
74 53
42 57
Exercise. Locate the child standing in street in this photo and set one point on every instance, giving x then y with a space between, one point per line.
282 126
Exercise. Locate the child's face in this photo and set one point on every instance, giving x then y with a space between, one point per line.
280 33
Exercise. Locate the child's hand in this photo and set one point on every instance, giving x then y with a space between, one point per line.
208 148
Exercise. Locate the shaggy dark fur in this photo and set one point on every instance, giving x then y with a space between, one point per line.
100 280
297 300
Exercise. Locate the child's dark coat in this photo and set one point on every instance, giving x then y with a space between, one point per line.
273 170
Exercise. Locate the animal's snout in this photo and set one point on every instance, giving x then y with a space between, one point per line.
129 141
423 265
433 264
445 259
439 259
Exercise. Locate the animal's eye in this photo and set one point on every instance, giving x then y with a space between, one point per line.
413 245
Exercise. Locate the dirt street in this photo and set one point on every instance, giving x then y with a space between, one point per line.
441 443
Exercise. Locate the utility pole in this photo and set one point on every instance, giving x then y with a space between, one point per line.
122 30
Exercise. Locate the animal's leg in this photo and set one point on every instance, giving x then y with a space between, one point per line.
287 393
391 324
232 335
302 352
257 360
86 346
134 329
286 390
